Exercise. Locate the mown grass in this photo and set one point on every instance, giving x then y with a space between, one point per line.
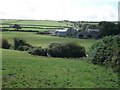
21 70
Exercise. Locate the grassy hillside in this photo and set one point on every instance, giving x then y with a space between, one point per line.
21 70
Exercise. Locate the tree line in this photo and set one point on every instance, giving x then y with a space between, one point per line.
105 28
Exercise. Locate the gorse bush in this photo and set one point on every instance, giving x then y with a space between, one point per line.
5 44
20 44
68 50
107 52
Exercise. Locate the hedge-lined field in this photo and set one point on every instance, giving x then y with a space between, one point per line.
38 25
44 40
22 70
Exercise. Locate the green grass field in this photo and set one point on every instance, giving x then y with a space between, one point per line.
44 40
21 70
38 25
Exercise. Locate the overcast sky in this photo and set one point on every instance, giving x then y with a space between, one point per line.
76 10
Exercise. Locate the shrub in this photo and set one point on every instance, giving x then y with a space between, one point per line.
5 44
68 50
106 52
37 51
23 48
20 44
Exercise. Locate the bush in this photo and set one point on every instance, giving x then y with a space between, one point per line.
37 51
21 45
107 52
5 44
68 50
23 48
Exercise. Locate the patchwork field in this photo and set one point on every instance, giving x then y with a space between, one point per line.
35 25
22 70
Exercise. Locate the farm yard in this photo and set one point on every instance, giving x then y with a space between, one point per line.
22 70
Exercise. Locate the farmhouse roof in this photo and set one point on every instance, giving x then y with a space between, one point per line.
61 30
95 30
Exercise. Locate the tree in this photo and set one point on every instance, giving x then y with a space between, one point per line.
92 26
118 28
107 28
16 26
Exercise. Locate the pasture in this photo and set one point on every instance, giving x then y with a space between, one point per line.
44 40
22 70
35 25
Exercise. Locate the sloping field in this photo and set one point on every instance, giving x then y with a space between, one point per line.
21 70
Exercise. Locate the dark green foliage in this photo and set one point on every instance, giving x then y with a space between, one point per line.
5 44
68 50
107 52
17 27
37 51
118 28
23 48
108 28
92 26
20 44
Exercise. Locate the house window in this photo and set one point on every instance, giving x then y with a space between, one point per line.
80 36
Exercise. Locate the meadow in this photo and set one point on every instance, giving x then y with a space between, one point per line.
22 70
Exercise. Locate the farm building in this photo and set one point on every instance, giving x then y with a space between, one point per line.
89 33
70 32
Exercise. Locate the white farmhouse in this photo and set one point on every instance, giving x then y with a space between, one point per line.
70 32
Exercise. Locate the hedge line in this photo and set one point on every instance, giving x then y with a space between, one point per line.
64 50
107 52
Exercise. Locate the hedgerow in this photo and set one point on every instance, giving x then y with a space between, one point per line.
68 50
107 52
5 44
37 51
20 44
